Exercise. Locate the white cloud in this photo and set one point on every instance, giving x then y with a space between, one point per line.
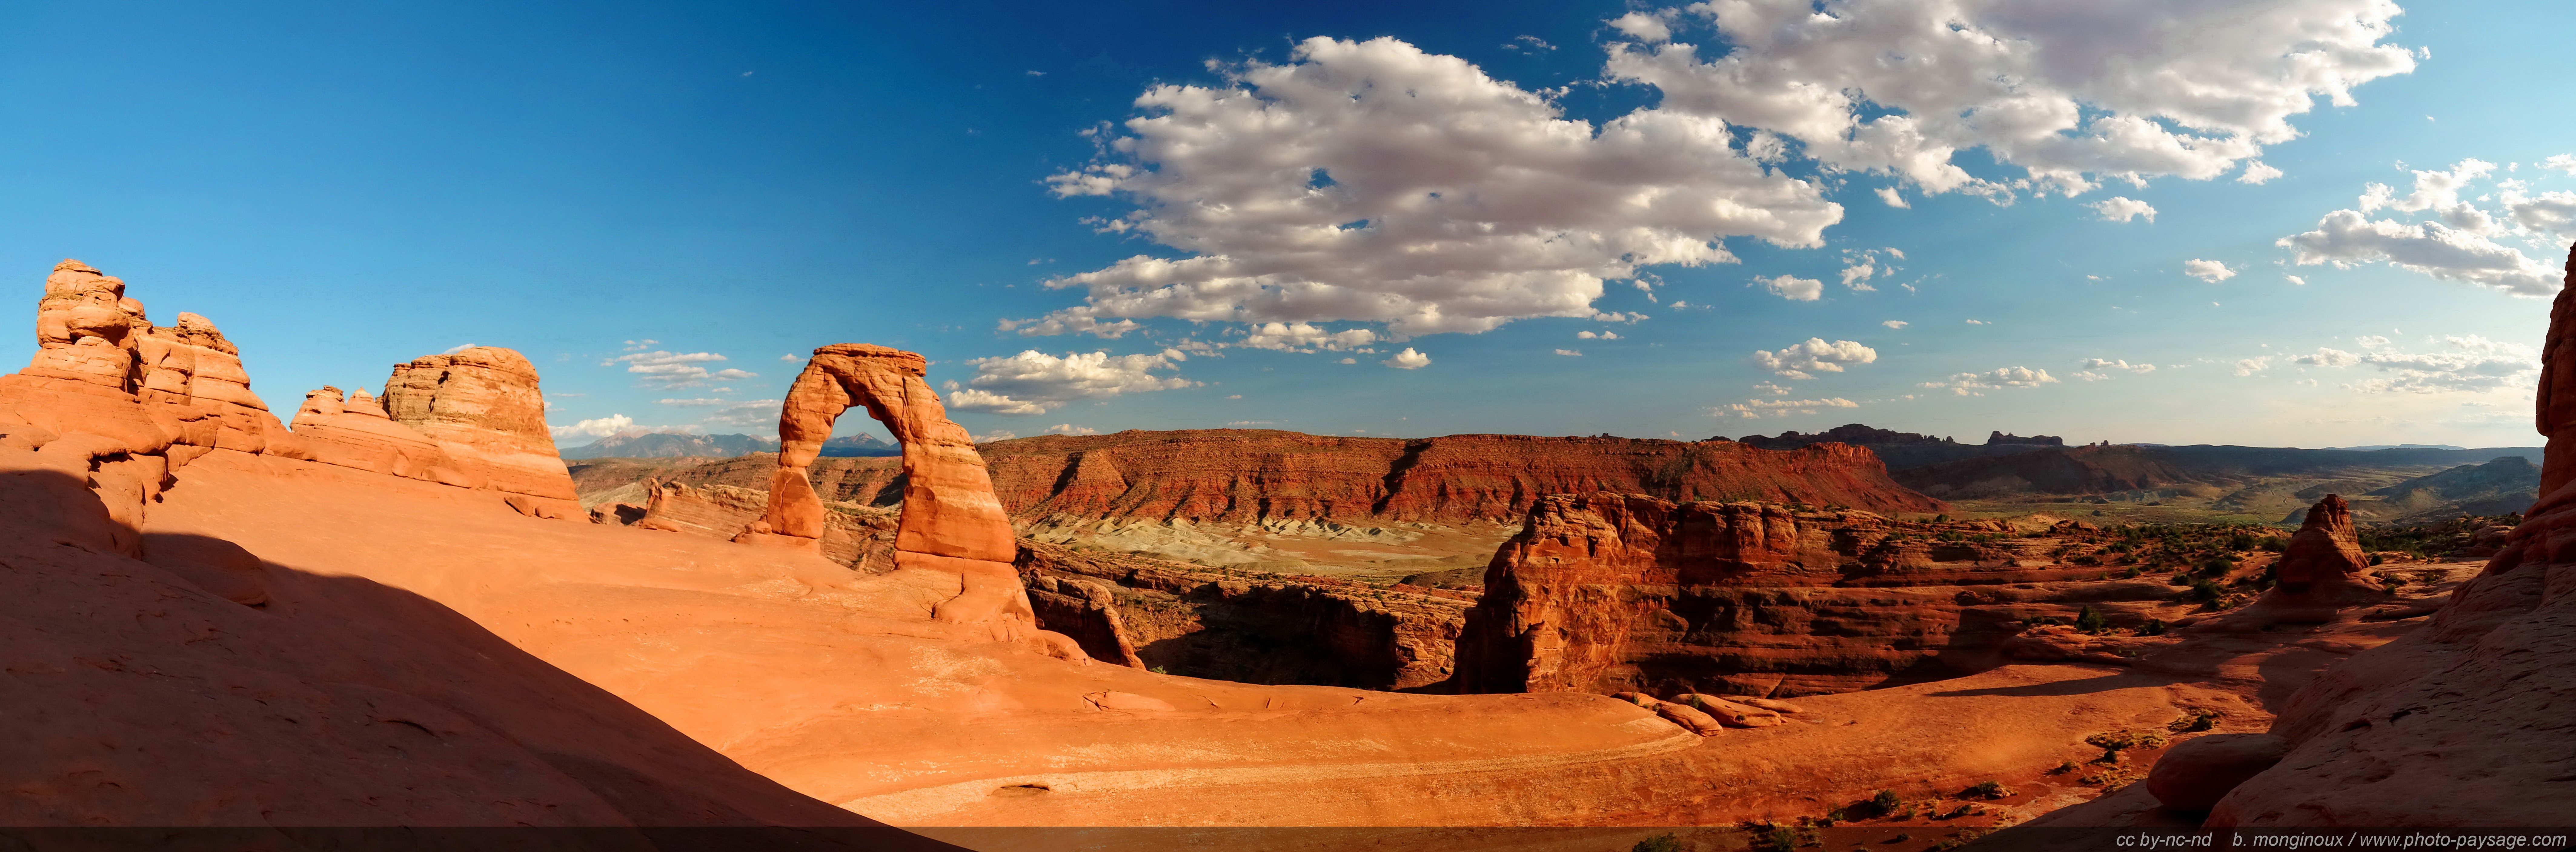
2326 357
459 348
2295 280
1370 181
2371 341
1070 429
2562 162
1979 322
1895 323
1570 353
2468 363
2458 239
2066 92
1801 360
2207 270
1606 335
2098 369
1893 198
1645 27
995 435
1792 288
675 370
789 358
1034 382
2345 238
1965 384
2250 366
2256 173
594 429
1754 408
1859 266
1772 389
1304 337
1407 360
2121 208
1349 361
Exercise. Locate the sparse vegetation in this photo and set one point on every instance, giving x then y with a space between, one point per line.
2113 742
2197 720
2090 621
1988 789
1664 842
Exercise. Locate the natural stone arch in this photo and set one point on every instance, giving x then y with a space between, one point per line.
951 522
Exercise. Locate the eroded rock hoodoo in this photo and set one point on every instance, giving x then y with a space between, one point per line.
951 522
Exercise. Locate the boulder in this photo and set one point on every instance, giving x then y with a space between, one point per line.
1692 720
2196 773
1729 713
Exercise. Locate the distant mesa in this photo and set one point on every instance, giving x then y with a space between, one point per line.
666 445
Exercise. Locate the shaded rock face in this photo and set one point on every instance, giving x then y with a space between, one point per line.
2464 721
2326 549
483 408
1192 620
951 522
1609 592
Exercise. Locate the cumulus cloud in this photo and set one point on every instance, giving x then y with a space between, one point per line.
1895 323
1570 353
593 429
1644 26
2562 162
2121 208
1969 384
2256 173
1792 288
2468 363
675 369
1034 382
2098 369
1893 198
1304 337
2456 240
1370 181
2250 366
1771 388
1405 360
995 435
1802 360
2207 270
1587 335
2068 93
1752 409
1070 429
1860 265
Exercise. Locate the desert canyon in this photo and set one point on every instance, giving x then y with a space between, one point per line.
406 609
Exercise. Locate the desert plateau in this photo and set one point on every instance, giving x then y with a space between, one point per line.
1304 562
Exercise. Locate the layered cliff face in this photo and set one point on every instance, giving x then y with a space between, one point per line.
1607 593
2464 722
1252 476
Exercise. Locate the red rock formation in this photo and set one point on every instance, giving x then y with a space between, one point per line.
474 418
1607 592
482 405
951 522
2462 722
2326 551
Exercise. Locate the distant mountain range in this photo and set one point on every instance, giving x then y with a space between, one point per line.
663 445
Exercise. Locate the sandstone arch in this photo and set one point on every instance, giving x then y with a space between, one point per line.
951 522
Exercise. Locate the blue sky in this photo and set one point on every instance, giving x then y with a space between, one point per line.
641 197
